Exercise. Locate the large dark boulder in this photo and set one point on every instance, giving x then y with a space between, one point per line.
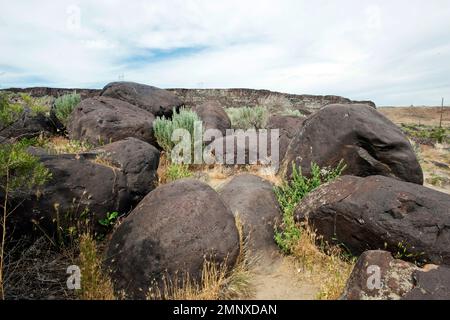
102 120
213 116
173 230
28 125
157 101
137 160
253 200
87 186
369 143
381 213
288 126
79 191
378 276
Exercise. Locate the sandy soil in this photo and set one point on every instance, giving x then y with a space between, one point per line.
280 280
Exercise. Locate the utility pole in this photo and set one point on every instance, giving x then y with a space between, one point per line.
442 113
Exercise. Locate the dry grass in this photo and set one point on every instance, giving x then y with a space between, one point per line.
62 145
323 264
37 271
217 282
95 284
216 175
417 115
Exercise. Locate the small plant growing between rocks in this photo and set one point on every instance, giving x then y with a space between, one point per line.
328 264
64 106
110 219
177 171
248 118
290 193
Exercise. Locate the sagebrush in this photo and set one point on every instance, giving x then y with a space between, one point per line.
64 106
248 118
164 127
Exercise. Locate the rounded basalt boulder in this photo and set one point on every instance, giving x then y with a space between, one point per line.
101 120
368 142
171 232
158 101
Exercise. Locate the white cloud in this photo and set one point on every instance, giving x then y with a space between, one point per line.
393 52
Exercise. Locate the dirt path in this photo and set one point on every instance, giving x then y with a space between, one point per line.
277 278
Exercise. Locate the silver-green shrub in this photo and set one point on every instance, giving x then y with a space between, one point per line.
163 127
248 118
64 106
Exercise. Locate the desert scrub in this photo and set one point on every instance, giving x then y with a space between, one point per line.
248 118
164 127
292 113
9 112
290 193
19 173
37 106
64 106
427 133
437 180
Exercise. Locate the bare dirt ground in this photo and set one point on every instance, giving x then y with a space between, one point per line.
281 280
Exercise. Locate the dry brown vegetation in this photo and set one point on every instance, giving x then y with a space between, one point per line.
95 284
327 266
417 115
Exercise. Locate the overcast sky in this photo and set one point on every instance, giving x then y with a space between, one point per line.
392 52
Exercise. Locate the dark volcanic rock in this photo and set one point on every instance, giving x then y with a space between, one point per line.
80 188
101 120
253 200
381 213
29 125
55 92
137 160
157 101
213 116
378 276
288 126
434 284
369 143
173 229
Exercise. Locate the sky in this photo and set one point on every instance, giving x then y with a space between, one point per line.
390 52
